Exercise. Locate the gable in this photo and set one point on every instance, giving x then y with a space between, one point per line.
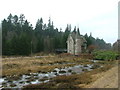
74 36
70 39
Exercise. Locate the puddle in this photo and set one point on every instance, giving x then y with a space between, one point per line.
59 63
36 78
95 60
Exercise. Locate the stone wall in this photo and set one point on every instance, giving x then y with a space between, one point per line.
78 47
74 44
70 45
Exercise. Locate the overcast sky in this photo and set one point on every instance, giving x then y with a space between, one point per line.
97 16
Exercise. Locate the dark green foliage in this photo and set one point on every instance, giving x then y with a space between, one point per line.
16 36
98 43
89 41
19 37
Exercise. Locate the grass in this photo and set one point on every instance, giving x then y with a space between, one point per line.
16 67
22 65
105 55
72 81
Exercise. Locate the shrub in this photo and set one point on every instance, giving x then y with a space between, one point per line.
105 55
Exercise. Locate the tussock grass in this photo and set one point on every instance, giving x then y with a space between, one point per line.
75 81
23 65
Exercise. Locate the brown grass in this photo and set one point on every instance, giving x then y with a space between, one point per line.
84 78
75 81
23 65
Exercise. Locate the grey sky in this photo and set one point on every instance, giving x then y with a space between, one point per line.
97 16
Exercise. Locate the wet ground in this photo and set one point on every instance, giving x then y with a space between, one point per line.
40 77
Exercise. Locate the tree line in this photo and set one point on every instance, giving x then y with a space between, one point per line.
20 38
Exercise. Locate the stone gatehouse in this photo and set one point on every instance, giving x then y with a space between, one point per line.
76 43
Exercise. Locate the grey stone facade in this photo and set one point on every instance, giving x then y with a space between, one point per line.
76 43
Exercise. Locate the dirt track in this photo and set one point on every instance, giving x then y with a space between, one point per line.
107 79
